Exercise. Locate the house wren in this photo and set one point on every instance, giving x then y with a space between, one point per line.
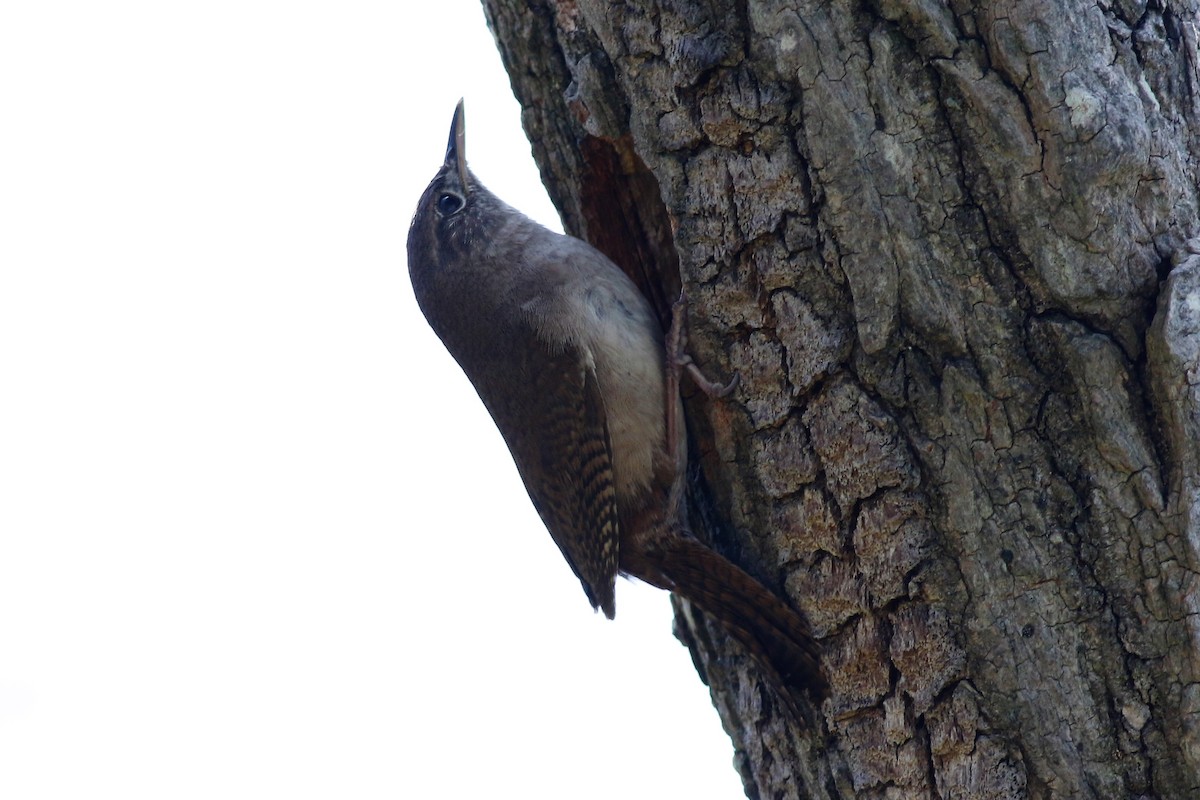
570 361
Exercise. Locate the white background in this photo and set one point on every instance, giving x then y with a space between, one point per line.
258 537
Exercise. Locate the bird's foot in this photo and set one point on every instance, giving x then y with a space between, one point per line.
678 359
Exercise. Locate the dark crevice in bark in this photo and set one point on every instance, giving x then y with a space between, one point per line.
627 221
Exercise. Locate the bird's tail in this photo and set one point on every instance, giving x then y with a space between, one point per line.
774 634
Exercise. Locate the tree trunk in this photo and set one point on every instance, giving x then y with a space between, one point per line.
949 248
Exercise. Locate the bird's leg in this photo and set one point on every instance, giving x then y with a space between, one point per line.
677 361
678 358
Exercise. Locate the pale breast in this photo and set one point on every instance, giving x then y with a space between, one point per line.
627 349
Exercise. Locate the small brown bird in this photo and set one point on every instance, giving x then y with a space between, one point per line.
571 362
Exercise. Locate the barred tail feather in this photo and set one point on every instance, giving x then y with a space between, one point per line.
774 634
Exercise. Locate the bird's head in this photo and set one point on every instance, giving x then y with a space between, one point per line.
449 215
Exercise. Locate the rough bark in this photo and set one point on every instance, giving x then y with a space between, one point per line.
947 246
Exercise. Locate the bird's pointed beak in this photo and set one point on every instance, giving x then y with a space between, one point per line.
456 148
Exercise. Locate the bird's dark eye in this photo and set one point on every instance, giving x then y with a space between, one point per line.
449 204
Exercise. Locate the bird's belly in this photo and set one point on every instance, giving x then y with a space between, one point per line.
632 384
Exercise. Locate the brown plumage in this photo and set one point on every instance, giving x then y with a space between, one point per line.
569 359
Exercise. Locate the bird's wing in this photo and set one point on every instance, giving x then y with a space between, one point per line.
552 417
